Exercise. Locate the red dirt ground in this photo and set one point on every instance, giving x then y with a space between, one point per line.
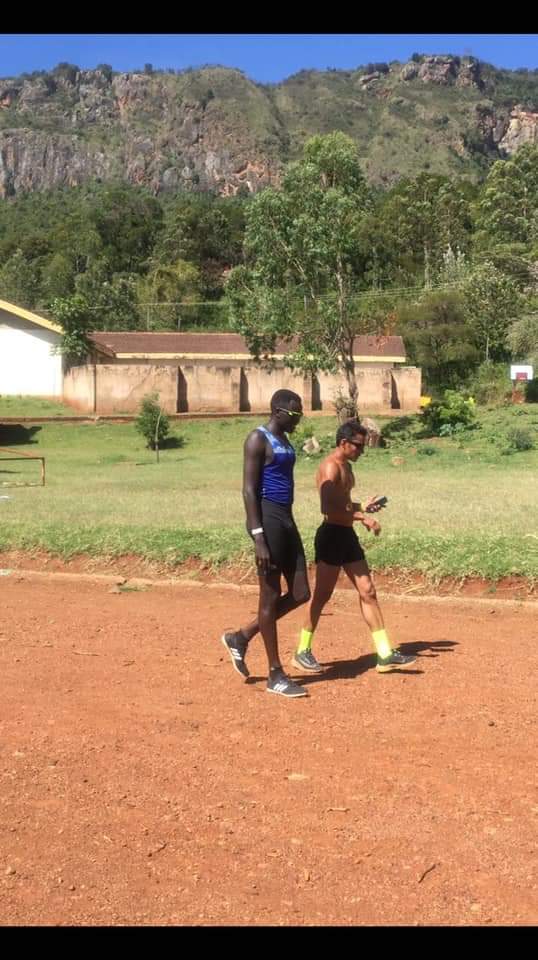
144 783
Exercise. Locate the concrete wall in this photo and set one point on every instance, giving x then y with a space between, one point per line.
209 387
373 384
27 364
122 393
79 388
107 388
228 388
408 383
380 388
258 385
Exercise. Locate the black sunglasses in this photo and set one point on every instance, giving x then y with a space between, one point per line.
291 413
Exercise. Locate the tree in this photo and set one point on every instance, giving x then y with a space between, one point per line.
112 297
106 69
67 70
508 203
205 231
492 303
304 262
152 421
522 339
19 281
127 222
74 316
425 216
439 337
169 285
58 277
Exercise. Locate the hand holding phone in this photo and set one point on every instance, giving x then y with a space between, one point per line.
376 505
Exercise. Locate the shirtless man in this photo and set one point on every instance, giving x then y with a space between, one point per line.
337 546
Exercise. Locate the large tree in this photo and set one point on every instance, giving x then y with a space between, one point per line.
19 281
522 338
439 337
507 209
425 216
305 263
492 303
166 292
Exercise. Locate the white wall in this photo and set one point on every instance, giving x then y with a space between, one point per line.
27 365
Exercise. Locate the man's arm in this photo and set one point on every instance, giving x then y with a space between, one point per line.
253 463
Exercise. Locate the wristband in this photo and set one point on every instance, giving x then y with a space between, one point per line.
256 530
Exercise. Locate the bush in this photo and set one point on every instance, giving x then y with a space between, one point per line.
516 440
305 432
454 411
531 391
450 429
152 422
491 383
426 451
401 430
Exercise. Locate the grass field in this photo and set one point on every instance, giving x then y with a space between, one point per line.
33 407
462 510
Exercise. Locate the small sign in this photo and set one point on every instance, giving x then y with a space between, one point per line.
521 371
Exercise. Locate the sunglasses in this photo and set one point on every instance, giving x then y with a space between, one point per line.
291 413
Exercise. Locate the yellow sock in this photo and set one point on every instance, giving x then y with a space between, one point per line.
305 640
381 643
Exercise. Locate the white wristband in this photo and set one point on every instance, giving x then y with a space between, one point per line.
256 530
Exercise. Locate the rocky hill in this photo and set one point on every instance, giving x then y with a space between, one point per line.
215 129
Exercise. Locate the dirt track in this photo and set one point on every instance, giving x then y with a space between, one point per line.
144 783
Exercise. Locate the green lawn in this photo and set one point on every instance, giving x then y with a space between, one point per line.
33 407
465 510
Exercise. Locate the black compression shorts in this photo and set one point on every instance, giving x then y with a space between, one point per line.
337 545
282 538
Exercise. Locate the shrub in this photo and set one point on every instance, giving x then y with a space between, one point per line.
152 422
491 383
452 410
531 391
515 440
426 451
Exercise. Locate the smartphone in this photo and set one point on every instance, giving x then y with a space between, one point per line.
380 502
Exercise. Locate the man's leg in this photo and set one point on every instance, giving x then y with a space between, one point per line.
360 576
285 605
267 617
236 641
326 577
287 554
278 681
388 658
291 556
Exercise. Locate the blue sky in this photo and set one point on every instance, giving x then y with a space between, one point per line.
266 57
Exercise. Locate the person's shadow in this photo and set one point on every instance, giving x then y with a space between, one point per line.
349 669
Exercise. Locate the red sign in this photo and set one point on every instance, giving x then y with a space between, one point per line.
522 375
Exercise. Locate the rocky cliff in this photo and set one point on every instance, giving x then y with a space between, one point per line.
214 129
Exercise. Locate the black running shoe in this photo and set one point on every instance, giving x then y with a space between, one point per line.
395 661
279 682
236 646
306 661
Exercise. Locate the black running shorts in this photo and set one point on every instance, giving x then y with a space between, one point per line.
337 545
282 538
